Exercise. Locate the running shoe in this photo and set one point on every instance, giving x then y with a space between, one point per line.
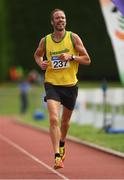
62 152
58 163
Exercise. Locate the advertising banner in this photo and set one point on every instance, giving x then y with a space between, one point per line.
114 20
120 5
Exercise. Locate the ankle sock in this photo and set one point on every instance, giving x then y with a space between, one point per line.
62 143
57 155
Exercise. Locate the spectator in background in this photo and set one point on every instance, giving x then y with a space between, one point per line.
24 89
13 73
16 73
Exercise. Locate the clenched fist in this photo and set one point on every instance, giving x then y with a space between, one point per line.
44 65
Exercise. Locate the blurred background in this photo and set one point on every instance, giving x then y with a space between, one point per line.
100 104
23 23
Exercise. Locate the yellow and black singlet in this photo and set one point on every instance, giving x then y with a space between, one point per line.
60 72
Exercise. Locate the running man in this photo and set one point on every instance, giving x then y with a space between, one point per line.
64 51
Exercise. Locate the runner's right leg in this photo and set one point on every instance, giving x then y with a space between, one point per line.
54 111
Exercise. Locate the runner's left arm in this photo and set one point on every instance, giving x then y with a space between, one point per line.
83 57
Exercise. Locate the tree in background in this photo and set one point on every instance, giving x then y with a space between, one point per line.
5 52
28 22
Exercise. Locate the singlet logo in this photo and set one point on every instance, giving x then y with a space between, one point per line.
59 52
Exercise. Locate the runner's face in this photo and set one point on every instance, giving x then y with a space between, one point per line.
59 21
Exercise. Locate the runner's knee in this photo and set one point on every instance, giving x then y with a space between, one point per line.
54 121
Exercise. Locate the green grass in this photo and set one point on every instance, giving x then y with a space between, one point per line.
10 99
98 136
10 105
84 132
98 84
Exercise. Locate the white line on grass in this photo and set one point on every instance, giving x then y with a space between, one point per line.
31 156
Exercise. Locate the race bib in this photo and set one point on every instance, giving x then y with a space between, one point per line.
59 64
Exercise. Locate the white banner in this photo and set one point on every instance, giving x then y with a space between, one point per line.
115 25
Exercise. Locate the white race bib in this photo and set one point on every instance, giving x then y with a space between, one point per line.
59 64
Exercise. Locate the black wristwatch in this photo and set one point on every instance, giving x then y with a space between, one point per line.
72 57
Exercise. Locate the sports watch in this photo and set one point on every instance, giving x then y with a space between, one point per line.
72 57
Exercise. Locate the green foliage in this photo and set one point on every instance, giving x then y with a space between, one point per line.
5 43
29 21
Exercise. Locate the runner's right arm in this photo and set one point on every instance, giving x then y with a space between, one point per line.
39 54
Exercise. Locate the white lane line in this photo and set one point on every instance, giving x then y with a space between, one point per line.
31 156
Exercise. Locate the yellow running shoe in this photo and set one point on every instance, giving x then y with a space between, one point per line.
62 152
58 163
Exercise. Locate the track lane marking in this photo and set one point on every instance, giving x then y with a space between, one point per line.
31 156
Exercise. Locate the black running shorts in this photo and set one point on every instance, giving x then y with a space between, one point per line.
66 95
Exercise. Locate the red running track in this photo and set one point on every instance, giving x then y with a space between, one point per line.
26 153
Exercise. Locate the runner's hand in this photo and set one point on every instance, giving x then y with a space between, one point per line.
44 64
65 57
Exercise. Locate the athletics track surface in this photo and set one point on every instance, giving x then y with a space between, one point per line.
26 153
